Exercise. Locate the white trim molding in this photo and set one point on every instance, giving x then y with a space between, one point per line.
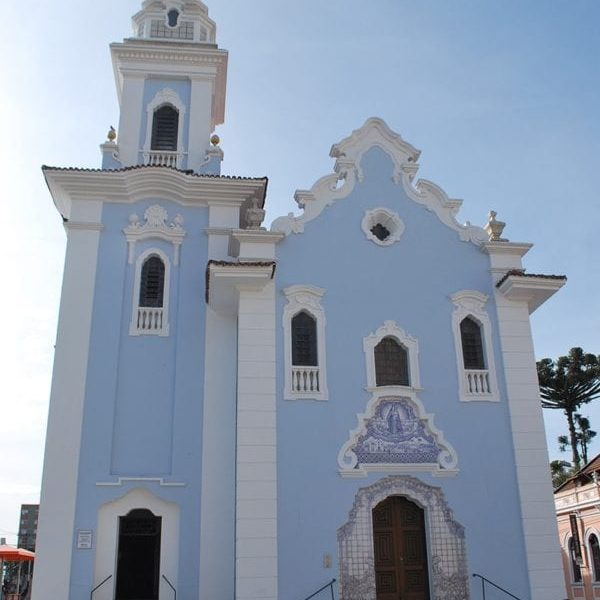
107 538
385 218
391 329
156 227
304 383
348 171
446 548
396 435
164 97
474 384
149 320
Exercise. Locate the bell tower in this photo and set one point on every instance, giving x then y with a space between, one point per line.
171 81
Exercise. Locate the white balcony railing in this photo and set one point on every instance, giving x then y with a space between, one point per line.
305 380
477 382
163 158
149 320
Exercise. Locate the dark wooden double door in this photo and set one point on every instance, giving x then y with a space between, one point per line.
401 571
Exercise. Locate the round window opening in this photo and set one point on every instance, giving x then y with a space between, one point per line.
382 226
173 17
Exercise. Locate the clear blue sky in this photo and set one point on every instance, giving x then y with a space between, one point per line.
502 97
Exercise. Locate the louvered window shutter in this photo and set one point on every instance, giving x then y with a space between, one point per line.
472 346
304 341
391 363
152 283
165 128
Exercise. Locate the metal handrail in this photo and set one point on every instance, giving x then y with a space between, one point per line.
327 585
485 580
99 586
171 586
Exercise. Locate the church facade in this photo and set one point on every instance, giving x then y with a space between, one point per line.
242 413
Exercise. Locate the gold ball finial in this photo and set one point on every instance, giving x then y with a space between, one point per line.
215 139
112 134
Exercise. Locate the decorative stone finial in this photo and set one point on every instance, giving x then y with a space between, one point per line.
495 228
215 139
255 216
112 134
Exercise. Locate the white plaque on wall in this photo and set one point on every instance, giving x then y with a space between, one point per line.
84 539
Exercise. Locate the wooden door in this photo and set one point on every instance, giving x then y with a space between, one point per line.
400 550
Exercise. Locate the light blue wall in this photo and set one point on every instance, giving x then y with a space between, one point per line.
143 412
409 282
183 88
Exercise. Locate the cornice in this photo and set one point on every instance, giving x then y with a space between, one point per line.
510 248
129 186
533 289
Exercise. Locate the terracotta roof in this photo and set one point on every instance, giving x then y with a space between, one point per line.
189 172
584 475
522 273
228 263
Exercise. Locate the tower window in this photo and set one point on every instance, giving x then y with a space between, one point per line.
165 126
304 340
173 17
472 346
152 283
391 363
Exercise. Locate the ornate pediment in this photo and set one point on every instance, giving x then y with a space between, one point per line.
396 436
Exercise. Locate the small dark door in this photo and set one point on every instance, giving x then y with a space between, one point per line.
400 550
138 561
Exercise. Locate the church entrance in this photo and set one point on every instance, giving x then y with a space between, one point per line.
401 571
138 562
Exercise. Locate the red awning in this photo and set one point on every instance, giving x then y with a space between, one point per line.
13 554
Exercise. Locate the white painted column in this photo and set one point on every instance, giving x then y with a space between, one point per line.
130 123
531 456
200 126
55 537
256 477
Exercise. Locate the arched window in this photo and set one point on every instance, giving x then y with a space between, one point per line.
595 555
152 283
472 344
304 340
391 363
165 127
575 568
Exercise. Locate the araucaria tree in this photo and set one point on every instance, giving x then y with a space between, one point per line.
566 384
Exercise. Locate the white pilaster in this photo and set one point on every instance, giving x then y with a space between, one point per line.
200 119
256 493
542 549
55 536
130 123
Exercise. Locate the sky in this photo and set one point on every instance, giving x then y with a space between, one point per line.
502 97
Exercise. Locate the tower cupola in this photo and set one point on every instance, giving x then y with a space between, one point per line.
176 20
171 79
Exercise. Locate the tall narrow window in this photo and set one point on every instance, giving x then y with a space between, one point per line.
472 346
391 363
152 283
304 344
165 127
576 569
304 340
595 555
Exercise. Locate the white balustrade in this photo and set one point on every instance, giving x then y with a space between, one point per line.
477 382
305 379
162 158
149 319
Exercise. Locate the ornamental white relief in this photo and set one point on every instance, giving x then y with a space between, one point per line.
156 226
446 551
382 226
396 435
348 171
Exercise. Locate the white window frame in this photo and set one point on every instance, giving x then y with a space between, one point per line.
304 298
410 344
166 96
133 327
471 303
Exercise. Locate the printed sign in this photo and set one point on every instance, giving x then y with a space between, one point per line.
84 539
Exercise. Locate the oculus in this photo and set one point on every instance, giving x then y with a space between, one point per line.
382 226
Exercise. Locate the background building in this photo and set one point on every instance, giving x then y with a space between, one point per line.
243 413
28 524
